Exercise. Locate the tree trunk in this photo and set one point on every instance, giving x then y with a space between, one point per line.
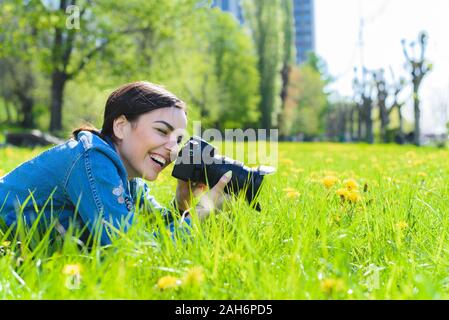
384 121
369 131
351 124
285 80
8 112
343 126
27 110
359 124
58 81
369 125
401 127
417 133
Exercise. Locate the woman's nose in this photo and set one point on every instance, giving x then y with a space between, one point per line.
173 150
172 144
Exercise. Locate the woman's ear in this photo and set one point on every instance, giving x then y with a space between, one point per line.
119 127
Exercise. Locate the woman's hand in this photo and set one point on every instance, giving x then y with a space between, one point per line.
213 199
183 192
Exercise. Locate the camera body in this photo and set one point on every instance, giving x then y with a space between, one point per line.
198 161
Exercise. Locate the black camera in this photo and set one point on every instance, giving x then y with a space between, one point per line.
198 161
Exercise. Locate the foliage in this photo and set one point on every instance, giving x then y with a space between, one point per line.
200 54
305 103
265 21
236 71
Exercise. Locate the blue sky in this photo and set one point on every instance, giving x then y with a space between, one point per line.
386 22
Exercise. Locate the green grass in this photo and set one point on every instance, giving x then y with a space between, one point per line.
307 243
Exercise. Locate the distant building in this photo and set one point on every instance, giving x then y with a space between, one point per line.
303 12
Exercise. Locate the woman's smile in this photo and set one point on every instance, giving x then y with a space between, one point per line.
158 161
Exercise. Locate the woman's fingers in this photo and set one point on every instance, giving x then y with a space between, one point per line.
218 189
214 198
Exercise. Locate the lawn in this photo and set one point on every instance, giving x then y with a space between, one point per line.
338 222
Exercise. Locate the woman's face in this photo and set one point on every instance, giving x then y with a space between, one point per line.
146 145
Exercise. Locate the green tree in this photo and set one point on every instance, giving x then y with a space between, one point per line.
419 67
310 102
18 76
212 65
202 55
307 102
288 59
71 34
265 20
236 72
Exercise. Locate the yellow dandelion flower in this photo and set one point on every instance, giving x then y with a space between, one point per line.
343 193
422 174
293 194
287 161
297 170
332 285
329 181
194 276
353 196
6 243
167 282
71 269
402 225
9 152
289 189
351 184
410 154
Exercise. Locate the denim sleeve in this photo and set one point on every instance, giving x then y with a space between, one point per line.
147 202
96 189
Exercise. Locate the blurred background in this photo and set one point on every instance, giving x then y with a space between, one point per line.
373 71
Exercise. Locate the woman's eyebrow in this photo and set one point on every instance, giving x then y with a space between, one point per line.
169 126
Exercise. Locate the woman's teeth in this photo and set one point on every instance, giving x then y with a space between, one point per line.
158 159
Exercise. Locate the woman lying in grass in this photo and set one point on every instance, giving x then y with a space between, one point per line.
94 180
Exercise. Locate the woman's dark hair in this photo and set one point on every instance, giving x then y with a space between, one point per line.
132 100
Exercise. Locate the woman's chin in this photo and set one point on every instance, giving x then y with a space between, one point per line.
151 176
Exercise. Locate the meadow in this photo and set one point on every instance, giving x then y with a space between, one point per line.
338 221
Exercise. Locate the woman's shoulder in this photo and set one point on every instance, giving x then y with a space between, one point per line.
90 140
93 154
96 147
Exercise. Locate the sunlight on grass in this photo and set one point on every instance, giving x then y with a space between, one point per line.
337 222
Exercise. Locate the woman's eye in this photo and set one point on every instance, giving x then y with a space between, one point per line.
162 131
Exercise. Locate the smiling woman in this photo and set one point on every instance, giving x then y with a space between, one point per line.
95 180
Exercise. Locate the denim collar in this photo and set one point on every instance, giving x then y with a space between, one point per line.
109 141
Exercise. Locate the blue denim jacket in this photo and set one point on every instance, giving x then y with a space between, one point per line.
82 181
